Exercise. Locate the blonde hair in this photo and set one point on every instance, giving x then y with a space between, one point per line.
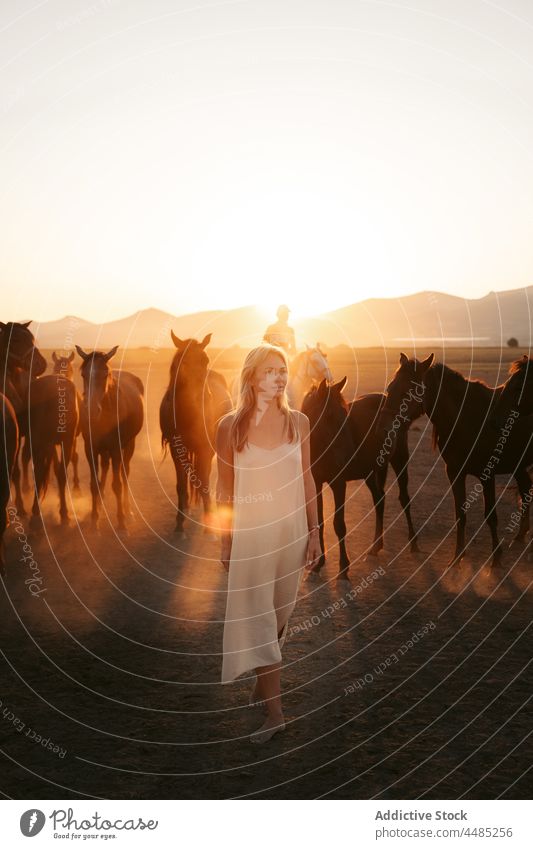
247 398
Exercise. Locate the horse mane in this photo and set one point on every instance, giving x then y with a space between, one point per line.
520 365
441 375
314 391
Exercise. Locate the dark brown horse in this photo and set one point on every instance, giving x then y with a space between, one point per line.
53 419
64 367
112 416
195 399
462 413
20 362
9 438
345 447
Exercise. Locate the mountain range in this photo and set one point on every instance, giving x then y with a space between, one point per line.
425 317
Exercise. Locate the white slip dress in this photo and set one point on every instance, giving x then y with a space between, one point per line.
268 553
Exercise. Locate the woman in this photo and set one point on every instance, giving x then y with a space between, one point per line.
266 498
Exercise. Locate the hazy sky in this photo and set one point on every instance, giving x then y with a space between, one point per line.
193 155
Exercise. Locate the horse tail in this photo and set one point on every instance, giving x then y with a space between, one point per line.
46 460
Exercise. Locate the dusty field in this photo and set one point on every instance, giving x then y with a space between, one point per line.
117 662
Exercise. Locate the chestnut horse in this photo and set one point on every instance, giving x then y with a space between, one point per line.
195 399
112 416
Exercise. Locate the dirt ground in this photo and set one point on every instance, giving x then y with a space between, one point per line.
110 676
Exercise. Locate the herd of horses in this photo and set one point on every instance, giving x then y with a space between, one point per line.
479 431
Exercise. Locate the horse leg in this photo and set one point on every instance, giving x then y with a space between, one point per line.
320 513
458 485
399 462
116 462
19 503
5 492
60 469
203 472
25 456
125 470
523 481
74 461
182 493
92 460
42 460
104 468
489 498
339 524
376 484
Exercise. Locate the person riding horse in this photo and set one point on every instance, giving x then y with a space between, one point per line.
280 333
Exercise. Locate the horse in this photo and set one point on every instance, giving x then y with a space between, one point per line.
20 362
461 411
53 419
64 367
195 399
112 416
344 447
9 440
305 369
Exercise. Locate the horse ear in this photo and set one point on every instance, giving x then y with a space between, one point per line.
403 359
339 386
71 356
177 341
26 323
111 353
322 386
425 364
54 356
3 325
81 352
205 341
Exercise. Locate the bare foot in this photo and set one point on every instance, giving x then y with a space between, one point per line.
271 726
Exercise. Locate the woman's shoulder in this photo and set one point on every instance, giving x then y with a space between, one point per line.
301 420
300 417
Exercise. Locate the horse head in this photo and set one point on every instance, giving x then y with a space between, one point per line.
316 364
97 377
63 365
327 412
405 395
18 349
517 391
190 363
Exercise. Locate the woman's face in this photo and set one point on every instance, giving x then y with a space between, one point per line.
270 378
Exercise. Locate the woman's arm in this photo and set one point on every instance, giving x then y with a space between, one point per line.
314 550
225 483
309 482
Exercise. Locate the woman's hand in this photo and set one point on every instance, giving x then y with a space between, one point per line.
225 552
314 551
